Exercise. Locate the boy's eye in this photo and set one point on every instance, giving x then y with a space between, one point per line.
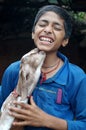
42 24
57 28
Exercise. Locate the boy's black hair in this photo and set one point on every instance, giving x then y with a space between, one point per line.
59 11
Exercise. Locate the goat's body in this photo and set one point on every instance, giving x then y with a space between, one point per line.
29 74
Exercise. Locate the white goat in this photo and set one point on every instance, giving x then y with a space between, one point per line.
30 69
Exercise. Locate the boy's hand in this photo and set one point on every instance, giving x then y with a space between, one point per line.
28 114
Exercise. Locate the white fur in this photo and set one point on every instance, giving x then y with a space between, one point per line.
29 73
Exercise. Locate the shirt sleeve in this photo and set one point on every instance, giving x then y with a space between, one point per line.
79 108
9 81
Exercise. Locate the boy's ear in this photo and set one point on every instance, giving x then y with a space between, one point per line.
32 35
65 42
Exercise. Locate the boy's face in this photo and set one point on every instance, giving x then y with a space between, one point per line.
49 32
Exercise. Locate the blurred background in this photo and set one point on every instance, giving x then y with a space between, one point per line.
16 20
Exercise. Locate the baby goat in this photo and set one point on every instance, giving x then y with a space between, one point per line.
30 69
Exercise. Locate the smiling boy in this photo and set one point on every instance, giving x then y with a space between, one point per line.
60 95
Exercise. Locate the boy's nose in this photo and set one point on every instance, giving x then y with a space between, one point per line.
48 29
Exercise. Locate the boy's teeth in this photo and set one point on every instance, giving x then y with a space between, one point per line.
46 39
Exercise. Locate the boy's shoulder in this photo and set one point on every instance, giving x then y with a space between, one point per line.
76 69
14 66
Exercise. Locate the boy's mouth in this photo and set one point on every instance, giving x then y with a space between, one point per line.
46 39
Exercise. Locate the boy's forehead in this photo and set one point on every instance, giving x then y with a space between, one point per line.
51 16
48 13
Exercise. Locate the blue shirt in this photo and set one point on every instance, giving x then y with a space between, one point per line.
63 95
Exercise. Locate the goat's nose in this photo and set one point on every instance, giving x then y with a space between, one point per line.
42 52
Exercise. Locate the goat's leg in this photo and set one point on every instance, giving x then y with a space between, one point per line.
6 119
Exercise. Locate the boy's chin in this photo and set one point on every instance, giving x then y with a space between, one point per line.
41 48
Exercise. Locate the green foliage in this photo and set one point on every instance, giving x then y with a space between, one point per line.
81 16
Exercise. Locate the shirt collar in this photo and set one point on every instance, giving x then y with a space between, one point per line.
62 75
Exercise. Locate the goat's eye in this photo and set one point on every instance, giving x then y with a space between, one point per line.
27 76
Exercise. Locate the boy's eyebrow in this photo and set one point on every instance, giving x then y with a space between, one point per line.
46 21
42 20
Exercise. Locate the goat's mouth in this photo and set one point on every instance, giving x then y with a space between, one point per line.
40 51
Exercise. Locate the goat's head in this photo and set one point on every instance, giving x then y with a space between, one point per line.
30 62
30 70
